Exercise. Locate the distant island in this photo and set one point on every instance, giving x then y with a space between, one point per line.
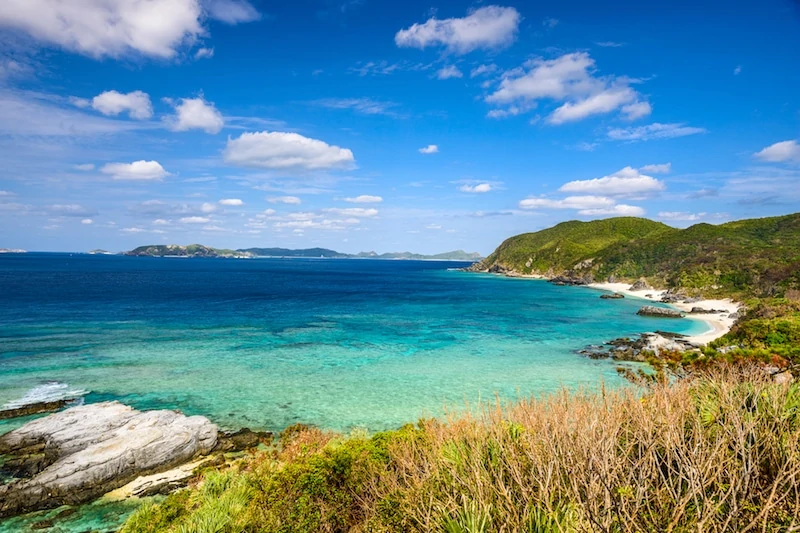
199 250
12 251
100 252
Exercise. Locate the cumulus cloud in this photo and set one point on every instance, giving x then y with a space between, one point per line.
108 28
655 130
587 205
450 71
136 171
430 149
281 150
780 152
681 216
293 200
195 220
195 114
364 199
87 221
476 188
627 182
231 11
569 79
664 168
231 202
489 27
112 103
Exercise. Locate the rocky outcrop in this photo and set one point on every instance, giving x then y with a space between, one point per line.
638 349
34 409
640 285
78 454
569 278
661 312
612 296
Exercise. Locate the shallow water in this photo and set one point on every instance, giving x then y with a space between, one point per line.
265 343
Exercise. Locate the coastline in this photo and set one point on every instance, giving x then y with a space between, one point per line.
719 323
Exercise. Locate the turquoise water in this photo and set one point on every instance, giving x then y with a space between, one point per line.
266 343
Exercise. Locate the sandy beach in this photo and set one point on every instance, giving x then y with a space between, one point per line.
719 323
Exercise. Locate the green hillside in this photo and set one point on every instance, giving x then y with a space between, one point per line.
191 250
758 257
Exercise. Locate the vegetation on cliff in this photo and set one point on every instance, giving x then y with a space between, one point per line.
743 259
713 452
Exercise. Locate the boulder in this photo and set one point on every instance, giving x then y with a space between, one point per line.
640 285
612 296
74 456
662 312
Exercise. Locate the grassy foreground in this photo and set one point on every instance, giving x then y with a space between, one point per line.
719 451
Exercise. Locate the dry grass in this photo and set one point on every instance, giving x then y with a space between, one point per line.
717 452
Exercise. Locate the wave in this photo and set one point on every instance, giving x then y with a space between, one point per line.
52 391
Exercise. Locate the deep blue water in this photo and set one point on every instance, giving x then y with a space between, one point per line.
268 342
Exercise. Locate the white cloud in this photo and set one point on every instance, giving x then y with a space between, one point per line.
84 167
450 71
231 202
433 226
70 210
293 200
108 28
358 212
195 220
737 70
365 106
681 216
585 205
430 149
477 188
87 221
231 11
364 199
6 193
570 202
196 114
38 114
133 230
482 70
627 182
136 171
208 207
489 27
112 103
780 152
550 22
621 210
570 79
204 53
161 222
655 130
280 150
609 44
664 168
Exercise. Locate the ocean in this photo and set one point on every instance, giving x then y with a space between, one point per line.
265 343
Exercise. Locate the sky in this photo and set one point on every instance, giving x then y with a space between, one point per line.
363 125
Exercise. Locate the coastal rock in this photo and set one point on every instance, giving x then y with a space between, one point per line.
640 285
703 311
662 312
569 279
34 409
244 439
612 296
78 454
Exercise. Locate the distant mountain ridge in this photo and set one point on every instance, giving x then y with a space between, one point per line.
199 250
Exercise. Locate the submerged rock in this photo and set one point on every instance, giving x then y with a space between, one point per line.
663 312
79 454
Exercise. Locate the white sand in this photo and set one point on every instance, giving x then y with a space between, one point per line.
719 323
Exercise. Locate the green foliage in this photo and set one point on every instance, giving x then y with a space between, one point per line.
758 257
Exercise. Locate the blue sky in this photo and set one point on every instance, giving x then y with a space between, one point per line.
363 125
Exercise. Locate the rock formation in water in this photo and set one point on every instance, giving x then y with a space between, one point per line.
78 454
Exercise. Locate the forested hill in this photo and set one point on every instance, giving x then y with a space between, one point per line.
755 257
